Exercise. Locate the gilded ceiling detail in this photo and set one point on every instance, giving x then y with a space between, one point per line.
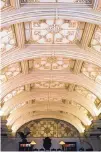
96 40
9 72
8 40
4 3
92 71
54 31
13 93
50 128
49 84
52 63
86 93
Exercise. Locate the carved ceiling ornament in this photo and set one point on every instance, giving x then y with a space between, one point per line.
10 72
48 84
96 40
53 31
53 63
4 4
50 128
92 71
8 40
13 93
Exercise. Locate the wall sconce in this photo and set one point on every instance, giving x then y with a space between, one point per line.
62 143
33 143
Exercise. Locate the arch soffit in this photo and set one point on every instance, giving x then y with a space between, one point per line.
44 107
28 96
66 77
75 122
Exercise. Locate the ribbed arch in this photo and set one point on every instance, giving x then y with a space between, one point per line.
50 107
66 77
25 96
68 118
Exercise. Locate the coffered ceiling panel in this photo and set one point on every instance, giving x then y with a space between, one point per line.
8 40
13 93
96 40
10 72
49 84
51 63
4 4
92 71
54 31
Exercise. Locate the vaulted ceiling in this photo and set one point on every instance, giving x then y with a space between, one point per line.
50 61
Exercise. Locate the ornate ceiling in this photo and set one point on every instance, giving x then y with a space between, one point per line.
50 63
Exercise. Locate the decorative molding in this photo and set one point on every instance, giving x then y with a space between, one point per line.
20 34
15 3
44 12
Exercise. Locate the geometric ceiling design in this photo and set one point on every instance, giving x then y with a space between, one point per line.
50 63
55 31
96 40
7 39
50 128
4 4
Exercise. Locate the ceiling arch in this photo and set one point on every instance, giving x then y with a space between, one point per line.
69 77
22 42
68 118
26 96
79 113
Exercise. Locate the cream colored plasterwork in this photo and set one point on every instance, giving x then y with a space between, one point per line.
92 71
52 63
88 95
10 72
96 40
56 31
49 84
13 93
8 40
4 4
